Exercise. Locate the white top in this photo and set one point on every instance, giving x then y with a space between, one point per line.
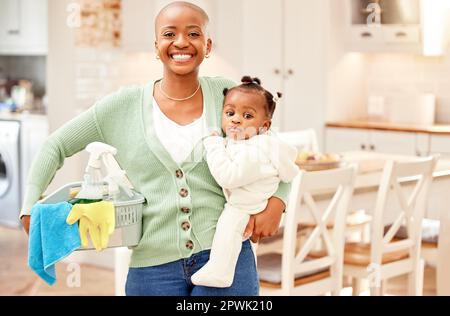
250 171
178 140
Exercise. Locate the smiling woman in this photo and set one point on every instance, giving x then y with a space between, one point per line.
157 130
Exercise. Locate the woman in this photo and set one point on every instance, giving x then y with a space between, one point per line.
157 130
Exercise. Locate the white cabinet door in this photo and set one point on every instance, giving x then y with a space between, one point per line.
305 56
346 139
393 142
440 144
34 132
280 48
24 30
263 41
9 22
422 144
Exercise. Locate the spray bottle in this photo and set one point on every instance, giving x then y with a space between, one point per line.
92 186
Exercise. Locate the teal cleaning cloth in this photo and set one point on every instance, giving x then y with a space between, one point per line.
51 238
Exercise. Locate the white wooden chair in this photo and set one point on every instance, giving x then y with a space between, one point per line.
303 140
430 241
386 257
292 272
306 140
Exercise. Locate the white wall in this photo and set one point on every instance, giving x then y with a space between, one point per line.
60 82
346 72
409 74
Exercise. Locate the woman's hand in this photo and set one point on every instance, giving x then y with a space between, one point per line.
267 222
26 223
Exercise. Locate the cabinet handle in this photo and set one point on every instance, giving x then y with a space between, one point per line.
13 32
277 71
363 147
400 34
290 72
372 147
366 34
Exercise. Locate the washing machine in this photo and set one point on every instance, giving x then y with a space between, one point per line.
10 193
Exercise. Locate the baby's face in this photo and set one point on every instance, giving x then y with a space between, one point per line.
244 115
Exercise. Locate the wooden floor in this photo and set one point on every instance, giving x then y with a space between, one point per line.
17 279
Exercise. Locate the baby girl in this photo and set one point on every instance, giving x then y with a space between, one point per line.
248 164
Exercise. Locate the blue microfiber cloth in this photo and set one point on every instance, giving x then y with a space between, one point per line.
51 238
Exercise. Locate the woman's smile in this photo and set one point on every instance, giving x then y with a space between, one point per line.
182 57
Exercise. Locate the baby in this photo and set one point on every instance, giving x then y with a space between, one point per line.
248 164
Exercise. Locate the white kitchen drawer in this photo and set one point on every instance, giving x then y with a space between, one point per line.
366 34
393 142
401 34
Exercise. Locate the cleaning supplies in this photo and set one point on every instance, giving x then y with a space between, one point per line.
97 219
92 187
122 213
51 238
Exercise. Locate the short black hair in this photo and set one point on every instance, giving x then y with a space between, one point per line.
253 84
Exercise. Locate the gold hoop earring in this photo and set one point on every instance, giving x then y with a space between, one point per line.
157 57
207 56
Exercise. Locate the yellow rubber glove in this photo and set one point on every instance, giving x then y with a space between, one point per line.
86 227
97 219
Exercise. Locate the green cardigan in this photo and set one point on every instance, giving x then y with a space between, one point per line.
184 201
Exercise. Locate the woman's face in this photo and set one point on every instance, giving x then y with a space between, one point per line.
181 39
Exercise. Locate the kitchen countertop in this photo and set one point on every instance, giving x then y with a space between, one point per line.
437 129
13 116
370 166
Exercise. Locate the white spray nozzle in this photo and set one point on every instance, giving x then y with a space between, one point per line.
96 150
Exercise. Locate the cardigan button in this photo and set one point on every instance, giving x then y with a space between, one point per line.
185 210
179 174
190 245
185 226
184 193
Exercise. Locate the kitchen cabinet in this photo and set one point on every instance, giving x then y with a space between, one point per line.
423 144
33 133
393 142
284 44
347 139
397 27
440 144
23 27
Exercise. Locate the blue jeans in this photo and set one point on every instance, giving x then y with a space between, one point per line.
174 278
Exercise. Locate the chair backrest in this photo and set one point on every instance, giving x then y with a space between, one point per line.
336 183
397 178
303 140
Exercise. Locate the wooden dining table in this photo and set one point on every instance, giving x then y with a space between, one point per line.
370 166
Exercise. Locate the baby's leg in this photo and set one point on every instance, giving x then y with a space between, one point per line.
226 247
